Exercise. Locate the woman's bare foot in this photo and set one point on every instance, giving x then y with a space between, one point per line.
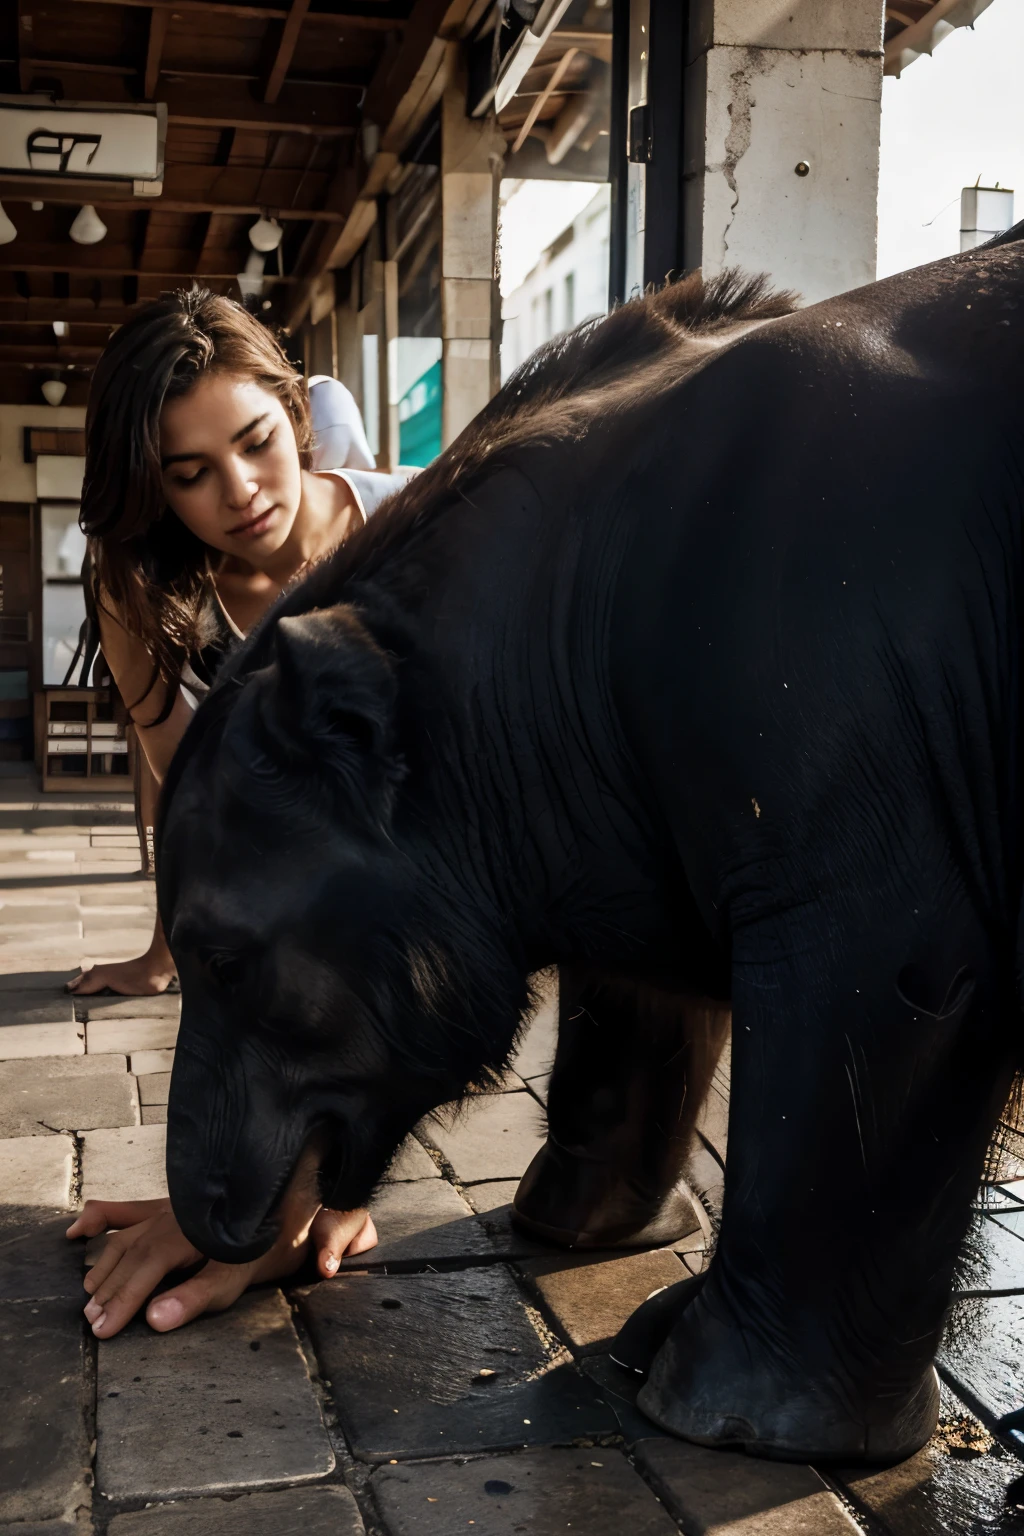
148 1244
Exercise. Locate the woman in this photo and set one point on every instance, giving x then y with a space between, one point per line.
339 447
200 509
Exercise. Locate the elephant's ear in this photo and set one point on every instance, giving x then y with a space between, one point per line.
330 704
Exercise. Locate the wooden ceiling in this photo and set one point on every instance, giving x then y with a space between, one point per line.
916 27
264 106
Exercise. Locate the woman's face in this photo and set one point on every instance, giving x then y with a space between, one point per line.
231 466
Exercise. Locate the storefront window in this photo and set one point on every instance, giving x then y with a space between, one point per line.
62 549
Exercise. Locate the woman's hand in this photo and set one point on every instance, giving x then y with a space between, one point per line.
148 1244
148 976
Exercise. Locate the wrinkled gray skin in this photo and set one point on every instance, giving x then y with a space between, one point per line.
717 694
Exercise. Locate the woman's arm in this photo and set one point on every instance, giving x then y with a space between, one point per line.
132 670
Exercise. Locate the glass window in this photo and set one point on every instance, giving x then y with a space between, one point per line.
62 550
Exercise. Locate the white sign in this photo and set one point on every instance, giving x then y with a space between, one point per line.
38 138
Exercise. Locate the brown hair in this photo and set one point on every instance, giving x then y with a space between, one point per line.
149 569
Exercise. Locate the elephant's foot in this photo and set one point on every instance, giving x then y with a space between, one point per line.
578 1200
713 1384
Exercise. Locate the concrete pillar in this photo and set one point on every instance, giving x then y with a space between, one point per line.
472 151
782 112
348 333
385 276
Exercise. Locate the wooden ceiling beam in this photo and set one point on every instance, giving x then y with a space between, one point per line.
390 20
225 103
158 21
117 261
397 71
13 190
405 113
285 49
232 105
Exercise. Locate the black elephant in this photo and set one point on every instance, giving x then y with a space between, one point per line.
694 668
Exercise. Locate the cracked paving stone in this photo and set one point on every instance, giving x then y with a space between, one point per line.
124 1037
154 1087
724 1493
35 1008
963 1483
35 1171
493 1136
619 1389
33 1024
1013 1221
124 1164
43 980
294 1512
492 1202
993 1259
32 914
44 1448
982 1350
166 1006
67 1093
411 1162
224 1403
18 1041
143 1063
36 1260
422 1223
425 1365
595 1492
43 1528
591 1298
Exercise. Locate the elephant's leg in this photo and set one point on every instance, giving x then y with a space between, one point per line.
632 1067
872 1051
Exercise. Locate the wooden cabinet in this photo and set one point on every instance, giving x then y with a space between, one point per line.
80 742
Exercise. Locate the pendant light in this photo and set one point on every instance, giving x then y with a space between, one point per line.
54 391
7 229
265 235
88 228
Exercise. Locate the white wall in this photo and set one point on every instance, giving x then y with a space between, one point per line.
18 479
539 308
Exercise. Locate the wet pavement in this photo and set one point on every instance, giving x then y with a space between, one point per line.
454 1379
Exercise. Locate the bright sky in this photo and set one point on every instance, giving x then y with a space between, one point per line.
945 121
948 120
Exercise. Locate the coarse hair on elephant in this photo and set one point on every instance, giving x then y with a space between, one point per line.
693 668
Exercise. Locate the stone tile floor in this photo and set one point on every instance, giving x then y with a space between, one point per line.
456 1378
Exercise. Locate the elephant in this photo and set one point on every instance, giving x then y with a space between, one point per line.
692 668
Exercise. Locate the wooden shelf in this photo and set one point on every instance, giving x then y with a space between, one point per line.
69 762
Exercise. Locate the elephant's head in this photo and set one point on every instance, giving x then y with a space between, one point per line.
340 975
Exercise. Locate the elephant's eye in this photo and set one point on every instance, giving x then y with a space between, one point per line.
224 967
